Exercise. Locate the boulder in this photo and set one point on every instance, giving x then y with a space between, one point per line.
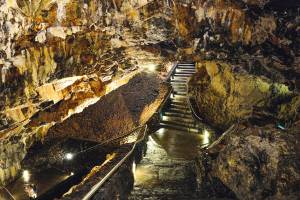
226 94
259 162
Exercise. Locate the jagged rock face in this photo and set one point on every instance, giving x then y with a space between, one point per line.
86 110
42 41
60 39
260 162
116 113
226 94
260 3
53 39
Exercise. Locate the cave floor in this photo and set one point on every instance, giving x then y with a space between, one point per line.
160 176
168 170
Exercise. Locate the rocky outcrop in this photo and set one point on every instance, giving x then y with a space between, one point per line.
116 113
86 110
258 162
226 94
48 40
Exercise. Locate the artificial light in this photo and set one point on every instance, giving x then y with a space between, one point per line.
69 156
26 176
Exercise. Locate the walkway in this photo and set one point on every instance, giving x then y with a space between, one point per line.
168 169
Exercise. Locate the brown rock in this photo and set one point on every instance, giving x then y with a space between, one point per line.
116 113
260 162
226 94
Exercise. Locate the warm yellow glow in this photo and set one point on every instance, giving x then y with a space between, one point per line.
160 133
26 176
150 67
206 136
151 142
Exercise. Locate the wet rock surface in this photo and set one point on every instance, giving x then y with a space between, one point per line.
256 162
253 76
226 94
159 176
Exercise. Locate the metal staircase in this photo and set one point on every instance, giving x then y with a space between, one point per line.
171 176
176 114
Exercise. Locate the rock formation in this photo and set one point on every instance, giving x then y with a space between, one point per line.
70 68
227 94
255 163
84 109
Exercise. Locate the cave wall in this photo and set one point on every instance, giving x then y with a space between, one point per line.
56 39
254 46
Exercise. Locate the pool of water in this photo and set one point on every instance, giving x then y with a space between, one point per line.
43 181
50 170
182 145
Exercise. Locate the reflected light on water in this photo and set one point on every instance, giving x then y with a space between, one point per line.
206 136
26 176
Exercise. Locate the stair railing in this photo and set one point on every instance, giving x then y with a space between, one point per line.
98 185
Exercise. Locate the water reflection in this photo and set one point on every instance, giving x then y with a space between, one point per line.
181 145
33 184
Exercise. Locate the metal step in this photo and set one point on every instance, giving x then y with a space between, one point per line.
184 93
180 86
179 106
180 123
185 67
178 81
186 64
176 110
177 102
184 110
188 71
176 127
183 74
184 116
183 86
179 94
180 78
180 91
172 118
179 98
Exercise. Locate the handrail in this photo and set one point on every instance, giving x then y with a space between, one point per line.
193 110
8 193
171 72
115 168
171 88
165 100
191 106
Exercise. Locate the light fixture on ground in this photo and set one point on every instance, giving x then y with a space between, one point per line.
150 67
133 168
206 136
26 176
69 156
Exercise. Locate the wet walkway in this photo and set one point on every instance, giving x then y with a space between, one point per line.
168 170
